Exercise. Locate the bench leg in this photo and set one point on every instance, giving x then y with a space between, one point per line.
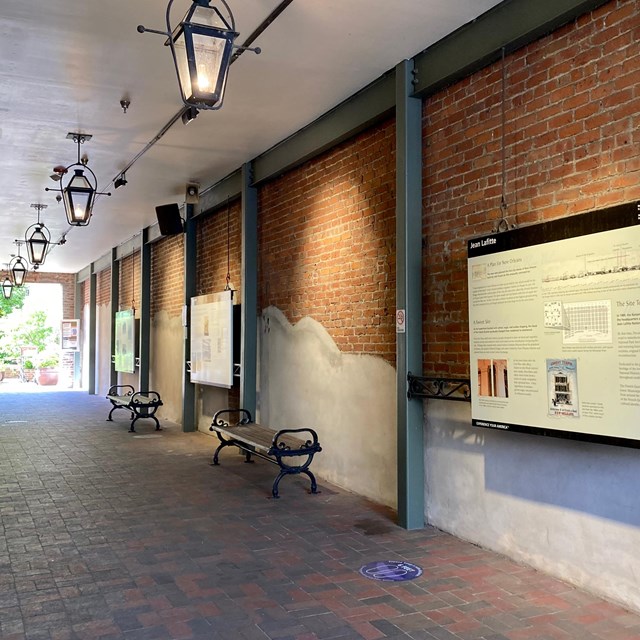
285 471
116 406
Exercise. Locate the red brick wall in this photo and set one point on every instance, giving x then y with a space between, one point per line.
103 288
572 113
130 283
167 275
212 234
327 243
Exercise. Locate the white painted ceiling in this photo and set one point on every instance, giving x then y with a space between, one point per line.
65 65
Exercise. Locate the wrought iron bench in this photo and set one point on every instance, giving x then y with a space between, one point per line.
140 404
279 447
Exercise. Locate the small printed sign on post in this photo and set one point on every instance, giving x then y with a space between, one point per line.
400 321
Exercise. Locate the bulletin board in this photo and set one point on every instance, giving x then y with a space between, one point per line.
211 331
554 327
125 356
70 335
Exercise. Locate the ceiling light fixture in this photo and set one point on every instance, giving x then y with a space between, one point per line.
121 181
7 287
80 191
201 47
18 267
39 240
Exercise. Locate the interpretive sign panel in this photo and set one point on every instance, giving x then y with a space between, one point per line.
125 360
70 335
212 339
554 327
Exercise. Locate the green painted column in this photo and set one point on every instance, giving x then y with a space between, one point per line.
77 356
249 332
189 417
410 413
145 312
92 331
115 307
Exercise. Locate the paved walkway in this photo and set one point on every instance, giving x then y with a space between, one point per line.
107 534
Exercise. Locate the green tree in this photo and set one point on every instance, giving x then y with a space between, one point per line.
35 332
16 301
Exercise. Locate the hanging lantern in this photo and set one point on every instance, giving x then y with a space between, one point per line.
202 46
18 269
37 243
7 288
78 195
78 198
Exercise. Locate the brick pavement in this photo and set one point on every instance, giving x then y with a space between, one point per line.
112 535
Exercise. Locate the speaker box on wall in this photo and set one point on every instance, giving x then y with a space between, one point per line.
169 219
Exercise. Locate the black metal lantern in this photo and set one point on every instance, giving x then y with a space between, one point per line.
78 194
78 198
7 288
18 269
37 243
202 46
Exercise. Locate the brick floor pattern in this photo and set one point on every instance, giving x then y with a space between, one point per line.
112 535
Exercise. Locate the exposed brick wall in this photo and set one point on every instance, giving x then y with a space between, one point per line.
327 242
103 287
167 275
572 114
130 283
213 232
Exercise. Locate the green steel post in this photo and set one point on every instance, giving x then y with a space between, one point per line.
190 257
115 307
409 297
249 333
77 356
92 331
145 312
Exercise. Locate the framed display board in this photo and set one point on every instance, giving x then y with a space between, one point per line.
212 339
70 335
554 327
125 356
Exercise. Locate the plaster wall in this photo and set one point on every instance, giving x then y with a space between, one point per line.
84 349
349 399
209 400
103 349
165 376
567 508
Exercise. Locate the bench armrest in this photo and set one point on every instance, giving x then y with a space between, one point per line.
121 390
310 446
219 422
146 398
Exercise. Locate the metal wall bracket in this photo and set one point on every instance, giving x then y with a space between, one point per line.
440 388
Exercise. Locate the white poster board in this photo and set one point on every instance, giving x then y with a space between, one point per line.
125 356
211 330
554 327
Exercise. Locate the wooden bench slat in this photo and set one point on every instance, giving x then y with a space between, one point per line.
258 436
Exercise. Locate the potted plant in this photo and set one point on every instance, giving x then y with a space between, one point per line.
28 370
48 370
